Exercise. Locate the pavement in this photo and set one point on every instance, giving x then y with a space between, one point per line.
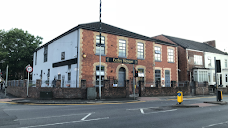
13 99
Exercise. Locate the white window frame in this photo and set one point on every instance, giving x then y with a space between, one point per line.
170 55
225 63
140 51
122 48
102 43
209 77
157 53
209 62
198 60
102 75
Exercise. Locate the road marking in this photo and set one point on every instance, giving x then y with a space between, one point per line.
160 111
141 108
142 111
86 116
215 124
52 116
45 125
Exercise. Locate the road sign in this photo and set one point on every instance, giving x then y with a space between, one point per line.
29 69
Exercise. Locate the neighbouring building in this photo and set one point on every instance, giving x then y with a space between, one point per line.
196 60
73 57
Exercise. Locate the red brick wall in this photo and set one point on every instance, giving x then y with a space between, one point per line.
191 64
182 64
112 44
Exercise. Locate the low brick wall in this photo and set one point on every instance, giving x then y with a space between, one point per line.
34 92
115 92
223 89
201 88
165 91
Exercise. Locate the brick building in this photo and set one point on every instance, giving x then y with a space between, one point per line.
196 60
73 58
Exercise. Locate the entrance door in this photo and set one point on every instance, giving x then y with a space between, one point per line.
157 77
121 81
167 78
220 79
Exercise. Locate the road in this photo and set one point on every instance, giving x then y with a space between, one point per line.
150 114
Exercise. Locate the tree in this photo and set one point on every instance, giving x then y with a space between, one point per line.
16 50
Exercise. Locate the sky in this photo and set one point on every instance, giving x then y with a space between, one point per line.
198 20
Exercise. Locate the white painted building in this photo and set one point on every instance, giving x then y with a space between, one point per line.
210 64
58 59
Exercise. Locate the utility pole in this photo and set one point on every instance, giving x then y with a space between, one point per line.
6 78
100 57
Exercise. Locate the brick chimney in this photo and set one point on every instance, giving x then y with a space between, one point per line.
212 43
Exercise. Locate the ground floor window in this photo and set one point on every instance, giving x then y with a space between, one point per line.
141 74
201 76
102 75
213 77
209 77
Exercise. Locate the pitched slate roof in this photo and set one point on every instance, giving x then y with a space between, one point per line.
109 29
189 44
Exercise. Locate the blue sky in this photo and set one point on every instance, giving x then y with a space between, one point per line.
198 20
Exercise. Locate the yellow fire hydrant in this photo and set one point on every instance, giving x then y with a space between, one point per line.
179 97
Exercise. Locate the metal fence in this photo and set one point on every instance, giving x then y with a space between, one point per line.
21 83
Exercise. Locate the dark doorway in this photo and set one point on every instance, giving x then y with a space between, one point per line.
220 79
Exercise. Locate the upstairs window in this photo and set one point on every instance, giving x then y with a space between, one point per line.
225 63
170 55
209 61
122 48
63 56
157 53
45 53
198 60
102 45
140 50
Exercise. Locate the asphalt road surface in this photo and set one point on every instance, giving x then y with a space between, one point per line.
150 114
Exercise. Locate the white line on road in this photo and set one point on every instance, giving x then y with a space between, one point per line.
215 124
52 116
160 111
45 125
86 116
142 111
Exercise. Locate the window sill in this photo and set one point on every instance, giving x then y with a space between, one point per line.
122 56
140 58
99 54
